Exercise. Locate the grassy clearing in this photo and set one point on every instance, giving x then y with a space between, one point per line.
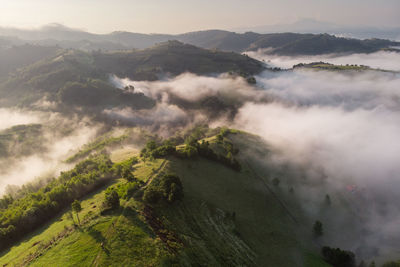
144 170
120 155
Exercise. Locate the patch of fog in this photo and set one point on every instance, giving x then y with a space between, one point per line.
47 164
161 113
233 90
378 60
342 125
188 86
12 117
356 146
368 90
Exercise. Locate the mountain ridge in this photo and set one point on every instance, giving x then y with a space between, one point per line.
209 39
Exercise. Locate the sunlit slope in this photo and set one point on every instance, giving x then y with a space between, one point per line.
226 218
129 240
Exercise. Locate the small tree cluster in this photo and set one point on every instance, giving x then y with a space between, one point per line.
169 187
338 257
111 199
317 229
154 150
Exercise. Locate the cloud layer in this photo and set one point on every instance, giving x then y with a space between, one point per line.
378 60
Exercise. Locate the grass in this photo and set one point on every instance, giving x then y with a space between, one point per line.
146 169
32 243
97 145
226 218
312 260
126 239
120 155
260 221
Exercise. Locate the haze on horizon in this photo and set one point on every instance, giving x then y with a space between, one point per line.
157 16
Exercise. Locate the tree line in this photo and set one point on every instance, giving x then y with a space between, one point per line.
21 216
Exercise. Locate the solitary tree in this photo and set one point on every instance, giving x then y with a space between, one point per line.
76 207
317 229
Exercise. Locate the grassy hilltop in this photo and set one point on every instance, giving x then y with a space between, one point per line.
228 215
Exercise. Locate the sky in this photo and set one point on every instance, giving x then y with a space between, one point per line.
178 16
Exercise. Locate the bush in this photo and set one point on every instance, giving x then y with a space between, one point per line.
317 229
127 174
392 264
168 187
111 199
172 187
151 195
190 151
338 257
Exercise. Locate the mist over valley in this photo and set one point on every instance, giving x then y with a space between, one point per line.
205 148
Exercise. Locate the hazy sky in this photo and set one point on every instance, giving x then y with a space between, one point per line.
176 16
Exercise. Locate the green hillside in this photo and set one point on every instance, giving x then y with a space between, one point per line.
227 216
75 79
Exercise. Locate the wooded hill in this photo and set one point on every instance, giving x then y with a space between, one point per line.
277 43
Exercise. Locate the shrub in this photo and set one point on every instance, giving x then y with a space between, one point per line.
317 229
168 187
338 257
151 195
392 264
172 187
111 199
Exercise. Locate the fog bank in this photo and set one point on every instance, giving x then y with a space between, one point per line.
379 60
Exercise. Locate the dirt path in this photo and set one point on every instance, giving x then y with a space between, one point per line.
156 172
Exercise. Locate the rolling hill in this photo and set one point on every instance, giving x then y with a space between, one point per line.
226 217
75 78
285 43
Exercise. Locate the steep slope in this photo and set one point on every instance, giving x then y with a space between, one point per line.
226 218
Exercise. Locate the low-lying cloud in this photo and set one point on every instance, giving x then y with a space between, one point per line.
342 127
379 60
12 117
58 146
